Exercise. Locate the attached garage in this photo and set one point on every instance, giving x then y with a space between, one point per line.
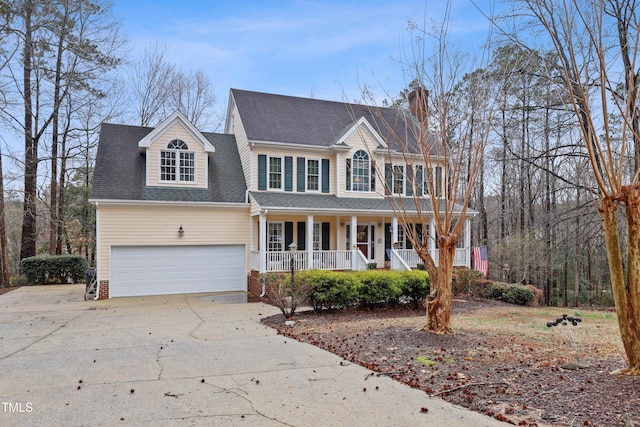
159 270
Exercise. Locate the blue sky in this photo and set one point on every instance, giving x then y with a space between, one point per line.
326 49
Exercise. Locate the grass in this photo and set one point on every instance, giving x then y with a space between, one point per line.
598 330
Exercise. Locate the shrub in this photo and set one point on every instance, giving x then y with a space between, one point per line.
378 287
464 279
480 288
415 286
45 269
330 289
514 293
278 289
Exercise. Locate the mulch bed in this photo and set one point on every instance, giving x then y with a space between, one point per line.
507 377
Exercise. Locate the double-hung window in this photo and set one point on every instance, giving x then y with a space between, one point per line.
275 237
313 175
398 179
177 163
275 173
317 236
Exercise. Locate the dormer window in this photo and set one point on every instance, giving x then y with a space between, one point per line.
177 163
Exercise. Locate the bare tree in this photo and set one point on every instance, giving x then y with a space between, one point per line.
194 96
583 34
152 81
450 145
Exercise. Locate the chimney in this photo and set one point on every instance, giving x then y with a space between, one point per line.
419 103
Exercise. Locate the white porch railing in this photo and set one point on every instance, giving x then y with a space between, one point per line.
360 262
397 261
332 260
343 260
411 258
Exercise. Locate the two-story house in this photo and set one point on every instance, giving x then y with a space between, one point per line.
182 211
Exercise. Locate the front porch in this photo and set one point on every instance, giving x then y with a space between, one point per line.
328 243
399 259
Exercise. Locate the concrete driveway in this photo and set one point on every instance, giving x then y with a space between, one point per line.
184 360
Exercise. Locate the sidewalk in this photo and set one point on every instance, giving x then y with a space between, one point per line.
184 360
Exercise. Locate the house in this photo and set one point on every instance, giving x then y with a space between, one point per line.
184 211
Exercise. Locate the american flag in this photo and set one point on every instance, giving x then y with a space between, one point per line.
481 259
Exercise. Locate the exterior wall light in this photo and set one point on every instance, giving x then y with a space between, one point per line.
180 231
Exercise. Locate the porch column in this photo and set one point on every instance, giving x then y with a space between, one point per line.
467 242
353 244
394 230
263 241
432 245
309 240
338 232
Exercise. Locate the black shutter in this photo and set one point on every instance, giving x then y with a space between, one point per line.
262 172
288 173
302 162
325 175
408 244
388 177
302 235
288 235
348 174
408 179
373 175
325 236
420 180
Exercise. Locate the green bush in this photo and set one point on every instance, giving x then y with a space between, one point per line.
330 289
464 279
513 293
378 287
415 286
43 269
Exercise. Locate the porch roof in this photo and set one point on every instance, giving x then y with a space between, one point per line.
323 203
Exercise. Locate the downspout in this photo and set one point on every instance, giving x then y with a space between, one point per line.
264 288
97 252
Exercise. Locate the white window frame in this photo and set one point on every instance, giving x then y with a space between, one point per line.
269 172
317 236
318 176
397 179
356 185
176 171
275 240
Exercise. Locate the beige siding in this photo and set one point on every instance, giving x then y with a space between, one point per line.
242 142
295 153
177 131
154 224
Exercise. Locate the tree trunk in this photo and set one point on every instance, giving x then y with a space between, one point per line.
28 239
3 233
439 301
626 292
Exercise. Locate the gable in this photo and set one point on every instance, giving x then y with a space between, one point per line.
362 135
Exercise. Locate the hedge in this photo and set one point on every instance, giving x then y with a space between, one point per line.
43 269
514 293
334 290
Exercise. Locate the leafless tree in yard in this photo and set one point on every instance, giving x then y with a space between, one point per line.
597 44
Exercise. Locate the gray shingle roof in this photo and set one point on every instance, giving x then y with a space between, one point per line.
325 203
120 170
306 121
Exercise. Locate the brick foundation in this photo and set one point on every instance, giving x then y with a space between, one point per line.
104 290
254 285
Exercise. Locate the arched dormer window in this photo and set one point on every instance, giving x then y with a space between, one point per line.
360 171
177 163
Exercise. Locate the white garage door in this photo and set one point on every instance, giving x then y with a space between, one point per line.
159 270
